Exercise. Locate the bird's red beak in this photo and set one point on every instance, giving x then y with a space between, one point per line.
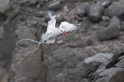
65 33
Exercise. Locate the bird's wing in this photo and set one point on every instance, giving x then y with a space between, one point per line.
68 26
44 37
50 41
52 22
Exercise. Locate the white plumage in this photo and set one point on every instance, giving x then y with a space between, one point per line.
52 32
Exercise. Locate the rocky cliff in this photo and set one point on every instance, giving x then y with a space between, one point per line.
94 53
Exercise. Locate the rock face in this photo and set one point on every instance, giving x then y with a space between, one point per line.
60 18
118 54
92 63
86 42
94 11
122 25
55 5
105 3
27 68
112 31
32 2
117 9
109 75
120 63
112 74
65 64
4 4
81 56
78 10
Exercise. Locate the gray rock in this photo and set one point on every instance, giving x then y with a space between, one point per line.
109 75
59 17
103 79
39 14
108 33
42 1
105 18
65 64
105 3
80 12
86 42
116 9
92 63
46 17
55 5
49 74
79 9
112 31
84 80
4 4
94 11
73 45
27 68
120 63
122 26
118 53
115 22
99 58
32 2
1 32
32 23
3 17
101 68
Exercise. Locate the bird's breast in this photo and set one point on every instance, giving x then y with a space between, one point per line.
56 33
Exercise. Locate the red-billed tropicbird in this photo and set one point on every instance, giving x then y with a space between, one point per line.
52 32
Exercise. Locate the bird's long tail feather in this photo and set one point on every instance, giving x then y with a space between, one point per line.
27 39
34 50
32 41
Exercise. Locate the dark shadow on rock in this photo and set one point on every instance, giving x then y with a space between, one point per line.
7 45
115 57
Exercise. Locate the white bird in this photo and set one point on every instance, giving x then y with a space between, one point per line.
52 32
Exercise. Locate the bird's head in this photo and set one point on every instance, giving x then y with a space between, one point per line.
63 31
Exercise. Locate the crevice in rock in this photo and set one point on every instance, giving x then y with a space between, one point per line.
46 74
42 57
42 53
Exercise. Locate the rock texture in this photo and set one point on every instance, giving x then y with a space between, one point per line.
92 63
94 11
116 9
84 55
55 5
4 4
112 31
